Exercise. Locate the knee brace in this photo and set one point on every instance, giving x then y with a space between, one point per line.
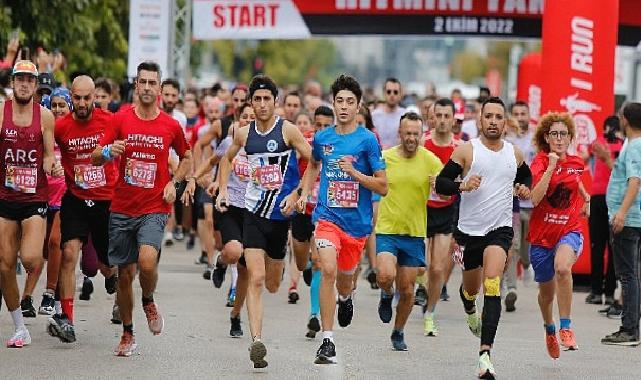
492 286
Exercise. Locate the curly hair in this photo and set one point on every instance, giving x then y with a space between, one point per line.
546 123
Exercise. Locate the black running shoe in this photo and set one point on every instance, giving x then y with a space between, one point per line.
61 328
236 331
191 242
307 276
257 353
345 312
28 311
111 284
87 289
398 341
444 295
594 299
115 315
207 273
47 305
326 353
218 275
420 298
313 326
292 297
385 307
371 278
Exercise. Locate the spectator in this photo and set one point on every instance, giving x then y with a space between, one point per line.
387 118
103 93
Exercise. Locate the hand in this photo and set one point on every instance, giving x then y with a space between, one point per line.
222 200
288 205
472 183
617 222
188 194
117 148
345 164
205 180
212 188
585 210
432 180
522 191
301 204
554 158
169 193
57 170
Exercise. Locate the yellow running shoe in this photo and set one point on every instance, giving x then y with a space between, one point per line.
474 323
429 326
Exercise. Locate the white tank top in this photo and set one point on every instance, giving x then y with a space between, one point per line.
490 206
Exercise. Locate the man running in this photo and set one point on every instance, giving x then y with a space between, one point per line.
353 168
488 165
85 205
402 222
143 197
386 118
26 147
271 144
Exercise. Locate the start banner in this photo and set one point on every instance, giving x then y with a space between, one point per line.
285 19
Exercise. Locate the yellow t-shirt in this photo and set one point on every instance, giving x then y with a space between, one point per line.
403 210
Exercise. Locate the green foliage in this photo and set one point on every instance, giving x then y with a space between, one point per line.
92 34
467 66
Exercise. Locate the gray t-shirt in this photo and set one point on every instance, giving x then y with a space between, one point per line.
240 173
386 124
526 146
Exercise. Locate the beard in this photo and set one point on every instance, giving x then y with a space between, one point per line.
22 101
168 108
83 114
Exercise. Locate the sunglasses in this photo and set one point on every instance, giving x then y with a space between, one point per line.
390 92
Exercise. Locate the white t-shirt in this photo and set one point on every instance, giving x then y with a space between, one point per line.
525 144
386 124
470 129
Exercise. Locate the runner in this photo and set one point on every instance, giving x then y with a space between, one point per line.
386 118
26 145
402 222
353 168
84 209
555 234
271 144
440 213
488 166
143 196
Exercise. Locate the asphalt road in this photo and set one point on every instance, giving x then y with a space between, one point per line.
196 344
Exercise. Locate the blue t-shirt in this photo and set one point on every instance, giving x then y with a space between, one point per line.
627 165
341 199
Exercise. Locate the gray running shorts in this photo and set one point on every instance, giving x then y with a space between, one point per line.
127 234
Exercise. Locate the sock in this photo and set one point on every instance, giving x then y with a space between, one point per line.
400 331
484 352
385 294
67 308
326 335
128 328
420 280
428 315
565 324
490 319
469 302
314 292
18 321
57 306
550 329
234 275
343 299
147 300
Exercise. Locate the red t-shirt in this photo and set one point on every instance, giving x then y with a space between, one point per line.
443 153
143 170
77 140
601 170
559 211
302 166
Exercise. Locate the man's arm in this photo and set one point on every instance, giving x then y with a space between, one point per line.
446 183
307 182
618 221
296 140
212 133
184 165
47 125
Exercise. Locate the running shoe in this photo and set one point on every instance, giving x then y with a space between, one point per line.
385 307
236 331
168 240
207 273
474 323
111 284
615 311
87 289
127 345
420 298
594 299
60 326
429 326
444 295
307 275
568 340
605 310
47 304
345 312
154 319
371 278
552 345
609 300
28 311
486 369
621 338
115 315
313 327
231 297
257 353
178 234
191 242
398 341
218 274
293 296
510 300
19 339
326 353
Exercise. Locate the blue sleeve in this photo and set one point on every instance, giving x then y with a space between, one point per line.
374 155
317 151
633 161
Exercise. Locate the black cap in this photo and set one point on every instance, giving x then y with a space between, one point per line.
45 83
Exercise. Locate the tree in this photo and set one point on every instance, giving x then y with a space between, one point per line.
92 34
467 66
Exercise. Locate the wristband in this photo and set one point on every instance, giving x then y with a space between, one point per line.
299 191
106 152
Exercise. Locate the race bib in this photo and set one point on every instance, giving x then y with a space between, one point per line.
342 194
89 176
21 179
140 173
242 169
269 177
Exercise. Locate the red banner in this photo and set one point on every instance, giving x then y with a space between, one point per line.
529 84
578 70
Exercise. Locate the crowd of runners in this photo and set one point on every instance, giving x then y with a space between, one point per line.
268 180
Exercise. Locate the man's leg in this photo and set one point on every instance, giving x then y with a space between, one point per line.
405 279
524 251
440 249
205 229
509 281
493 266
386 274
9 245
255 259
67 277
625 245
125 297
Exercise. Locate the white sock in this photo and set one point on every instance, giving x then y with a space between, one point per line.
328 335
428 315
18 322
340 297
234 276
57 306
